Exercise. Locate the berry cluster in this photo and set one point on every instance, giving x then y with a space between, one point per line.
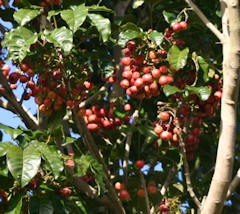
99 119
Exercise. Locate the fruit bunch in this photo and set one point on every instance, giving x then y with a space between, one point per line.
100 119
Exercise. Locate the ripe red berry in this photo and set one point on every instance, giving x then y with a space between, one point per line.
163 69
92 126
23 78
66 192
183 25
70 104
156 73
166 135
158 129
139 164
147 78
127 74
164 115
124 195
119 186
177 27
152 54
127 107
152 189
70 163
141 193
124 83
139 82
126 60
163 80
30 84
146 69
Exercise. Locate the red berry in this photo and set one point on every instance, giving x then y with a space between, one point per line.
139 164
124 195
152 189
163 80
127 107
139 82
66 192
166 135
158 129
70 104
147 78
152 54
126 60
156 73
70 163
163 69
177 27
146 69
119 186
124 83
92 126
183 25
164 115
23 78
127 74
141 193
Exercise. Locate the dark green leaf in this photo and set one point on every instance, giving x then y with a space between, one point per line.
75 17
15 205
156 37
56 118
83 164
203 92
137 3
169 90
23 16
127 35
130 26
177 58
53 158
13 132
60 37
3 148
18 42
46 206
81 206
102 24
171 18
203 68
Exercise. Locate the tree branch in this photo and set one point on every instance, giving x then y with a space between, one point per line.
143 182
235 182
128 144
7 106
29 120
170 176
5 3
95 152
94 96
186 167
205 20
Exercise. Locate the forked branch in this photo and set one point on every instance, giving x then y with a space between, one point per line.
205 20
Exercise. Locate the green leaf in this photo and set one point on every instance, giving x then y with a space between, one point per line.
13 132
83 164
130 26
52 13
23 16
53 158
31 163
81 206
169 90
46 206
156 37
60 37
127 35
15 205
171 18
3 149
99 8
69 140
203 92
102 24
23 164
137 3
75 17
177 58
18 42
203 68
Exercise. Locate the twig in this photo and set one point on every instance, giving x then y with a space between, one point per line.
205 20
170 176
5 3
128 144
95 152
94 96
235 182
27 117
143 182
6 105
186 167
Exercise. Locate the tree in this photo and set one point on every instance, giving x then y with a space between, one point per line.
131 99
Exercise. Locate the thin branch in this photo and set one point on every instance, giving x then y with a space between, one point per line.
186 168
94 96
128 144
26 116
96 153
143 182
235 182
6 105
205 20
170 176
6 4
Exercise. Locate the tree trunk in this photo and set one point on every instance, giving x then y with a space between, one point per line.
225 154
